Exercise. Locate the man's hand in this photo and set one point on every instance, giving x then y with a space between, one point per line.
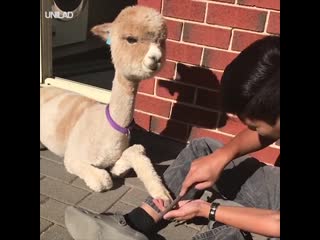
187 209
204 171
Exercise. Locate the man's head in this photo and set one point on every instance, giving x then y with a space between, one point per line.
250 86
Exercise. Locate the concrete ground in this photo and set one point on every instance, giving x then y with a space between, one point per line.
59 189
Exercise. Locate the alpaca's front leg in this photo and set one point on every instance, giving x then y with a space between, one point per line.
96 179
120 168
136 158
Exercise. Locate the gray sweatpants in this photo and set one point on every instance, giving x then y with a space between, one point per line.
245 180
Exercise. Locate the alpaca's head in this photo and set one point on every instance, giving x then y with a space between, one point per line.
137 39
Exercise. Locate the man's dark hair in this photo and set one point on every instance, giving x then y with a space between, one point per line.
250 85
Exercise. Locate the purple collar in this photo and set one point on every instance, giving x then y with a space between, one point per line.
116 126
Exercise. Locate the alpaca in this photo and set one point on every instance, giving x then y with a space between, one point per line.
92 136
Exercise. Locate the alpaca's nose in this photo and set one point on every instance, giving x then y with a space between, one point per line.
154 53
155 58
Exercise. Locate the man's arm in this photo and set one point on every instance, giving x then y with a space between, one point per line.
259 221
205 171
245 142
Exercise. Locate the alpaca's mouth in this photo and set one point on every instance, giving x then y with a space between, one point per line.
152 67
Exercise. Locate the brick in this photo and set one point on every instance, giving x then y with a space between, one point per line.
267 155
61 191
134 197
241 40
198 76
53 211
194 116
208 99
43 199
169 128
134 182
227 1
121 208
55 170
183 53
233 126
44 224
210 36
79 183
274 23
100 202
146 86
56 233
174 29
197 132
156 4
271 4
189 10
217 59
236 17
143 120
153 105
167 70
51 156
176 91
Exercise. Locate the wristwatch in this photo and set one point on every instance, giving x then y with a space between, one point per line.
213 210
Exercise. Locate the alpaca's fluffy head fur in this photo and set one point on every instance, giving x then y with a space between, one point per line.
137 37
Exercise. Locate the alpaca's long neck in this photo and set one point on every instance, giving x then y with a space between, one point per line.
122 100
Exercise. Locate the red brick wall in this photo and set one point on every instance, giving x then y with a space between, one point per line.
204 36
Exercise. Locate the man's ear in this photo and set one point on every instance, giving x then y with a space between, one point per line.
103 30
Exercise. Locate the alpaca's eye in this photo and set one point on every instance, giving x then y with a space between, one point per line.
131 40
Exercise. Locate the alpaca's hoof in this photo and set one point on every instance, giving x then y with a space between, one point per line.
99 181
161 192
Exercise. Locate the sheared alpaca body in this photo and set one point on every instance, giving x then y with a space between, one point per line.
75 127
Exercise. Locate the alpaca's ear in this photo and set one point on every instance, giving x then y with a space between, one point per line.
102 30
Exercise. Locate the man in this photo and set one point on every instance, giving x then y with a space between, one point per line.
250 89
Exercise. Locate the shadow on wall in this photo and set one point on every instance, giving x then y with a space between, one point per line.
195 106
